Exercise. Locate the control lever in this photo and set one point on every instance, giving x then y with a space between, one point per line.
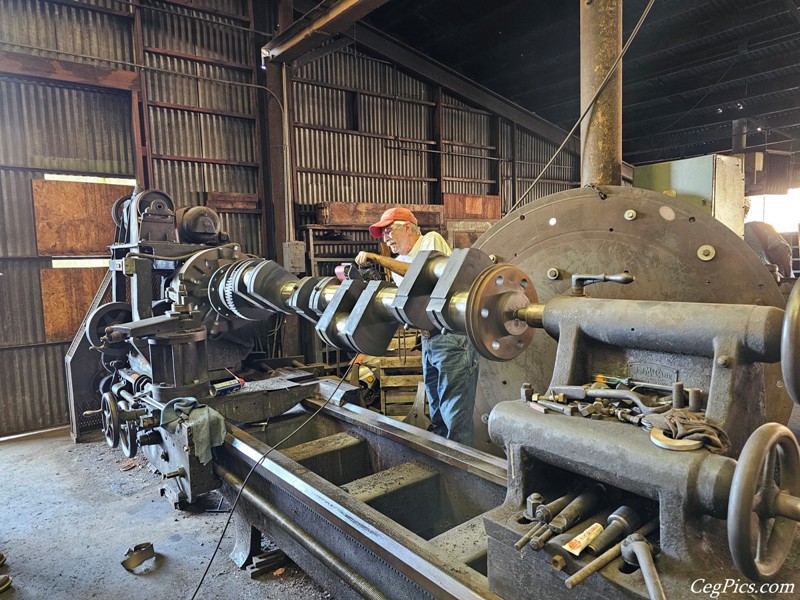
637 551
581 281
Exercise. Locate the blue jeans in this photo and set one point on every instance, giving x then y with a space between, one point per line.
450 371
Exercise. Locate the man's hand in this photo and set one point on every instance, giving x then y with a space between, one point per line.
364 258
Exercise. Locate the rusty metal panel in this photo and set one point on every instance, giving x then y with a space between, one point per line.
94 33
228 138
69 129
175 132
358 169
244 229
193 32
454 100
17 234
316 105
466 126
188 182
67 212
218 41
350 68
67 28
181 180
13 142
172 30
230 178
173 89
231 7
395 117
119 5
192 91
33 392
20 290
66 297
314 187
222 96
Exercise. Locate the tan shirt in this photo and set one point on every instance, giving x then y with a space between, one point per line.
430 241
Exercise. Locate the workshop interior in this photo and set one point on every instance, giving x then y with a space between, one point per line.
185 185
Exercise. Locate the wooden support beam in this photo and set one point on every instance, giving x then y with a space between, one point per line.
51 69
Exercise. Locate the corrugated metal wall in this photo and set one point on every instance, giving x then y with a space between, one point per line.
43 128
50 127
363 132
195 151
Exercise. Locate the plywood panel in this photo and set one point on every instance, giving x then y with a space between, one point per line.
74 219
66 296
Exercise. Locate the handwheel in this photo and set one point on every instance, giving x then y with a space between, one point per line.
127 437
113 313
764 507
496 294
790 345
108 405
118 210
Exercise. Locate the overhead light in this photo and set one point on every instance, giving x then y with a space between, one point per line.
719 110
739 105
758 128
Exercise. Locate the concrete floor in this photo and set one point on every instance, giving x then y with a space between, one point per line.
68 513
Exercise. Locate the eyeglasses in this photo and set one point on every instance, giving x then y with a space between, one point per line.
394 227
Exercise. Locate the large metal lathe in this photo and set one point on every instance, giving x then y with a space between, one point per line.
593 311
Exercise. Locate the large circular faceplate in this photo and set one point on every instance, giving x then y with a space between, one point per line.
106 315
577 232
496 294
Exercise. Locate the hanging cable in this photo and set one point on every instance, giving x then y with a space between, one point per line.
252 470
591 102
146 68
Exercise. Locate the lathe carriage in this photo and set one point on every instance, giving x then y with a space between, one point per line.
647 307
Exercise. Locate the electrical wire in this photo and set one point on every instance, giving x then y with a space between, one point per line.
191 16
721 77
591 103
252 470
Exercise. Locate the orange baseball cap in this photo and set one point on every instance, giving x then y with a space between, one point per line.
390 216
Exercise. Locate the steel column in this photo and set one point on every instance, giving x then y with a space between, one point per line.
601 131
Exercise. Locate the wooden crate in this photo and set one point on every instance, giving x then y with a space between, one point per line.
403 344
399 377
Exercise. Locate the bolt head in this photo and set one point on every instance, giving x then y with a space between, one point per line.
553 273
630 215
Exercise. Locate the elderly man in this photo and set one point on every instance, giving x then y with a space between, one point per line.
449 362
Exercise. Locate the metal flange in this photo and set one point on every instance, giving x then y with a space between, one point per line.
462 268
492 302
